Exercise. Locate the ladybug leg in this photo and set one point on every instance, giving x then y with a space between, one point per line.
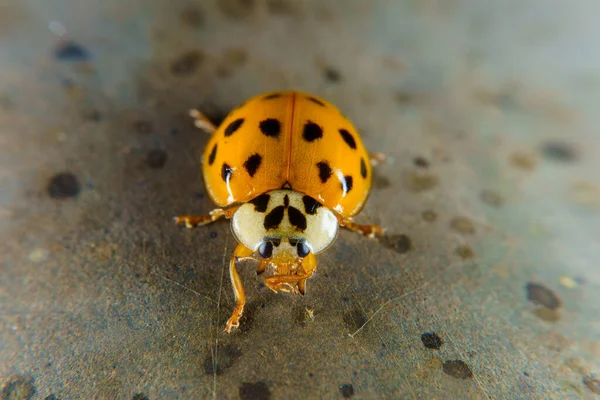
285 283
192 221
202 122
241 252
379 158
366 230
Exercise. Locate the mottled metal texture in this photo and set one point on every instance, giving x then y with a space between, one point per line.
487 285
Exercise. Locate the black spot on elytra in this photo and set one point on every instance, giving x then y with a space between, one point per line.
252 163
363 168
274 218
310 205
286 201
233 126
140 396
187 63
261 202
316 101
347 390
156 158
226 172
348 138
312 131
399 243
71 51
421 162
332 75
457 369
212 155
431 340
540 294
560 151
19 387
270 127
225 358
63 185
272 96
324 171
347 184
254 391
297 218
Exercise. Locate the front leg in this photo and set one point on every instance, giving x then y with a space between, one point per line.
285 283
241 252
202 122
369 231
192 221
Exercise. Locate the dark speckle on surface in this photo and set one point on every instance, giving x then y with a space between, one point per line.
226 357
592 382
457 369
254 391
142 126
431 340
51 397
429 215
347 390
19 388
420 182
421 162
332 74
559 151
71 51
462 225
187 63
64 185
540 294
213 235
156 158
237 8
192 17
465 252
400 243
91 114
380 181
140 396
492 198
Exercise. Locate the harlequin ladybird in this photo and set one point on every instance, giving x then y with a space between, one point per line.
288 169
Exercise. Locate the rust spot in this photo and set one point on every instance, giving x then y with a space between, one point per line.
523 161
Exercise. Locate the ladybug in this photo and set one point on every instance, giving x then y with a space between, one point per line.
288 169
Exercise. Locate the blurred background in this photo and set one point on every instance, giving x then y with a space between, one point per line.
487 284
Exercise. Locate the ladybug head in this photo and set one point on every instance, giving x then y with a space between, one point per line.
284 225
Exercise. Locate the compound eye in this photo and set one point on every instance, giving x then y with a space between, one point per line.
266 249
302 249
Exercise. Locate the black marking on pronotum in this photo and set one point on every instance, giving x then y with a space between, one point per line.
363 168
261 202
233 126
310 205
274 218
312 131
272 96
226 172
270 127
316 101
297 218
286 201
212 155
347 184
252 164
324 171
348 138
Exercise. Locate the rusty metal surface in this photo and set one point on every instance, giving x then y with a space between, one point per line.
487 285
